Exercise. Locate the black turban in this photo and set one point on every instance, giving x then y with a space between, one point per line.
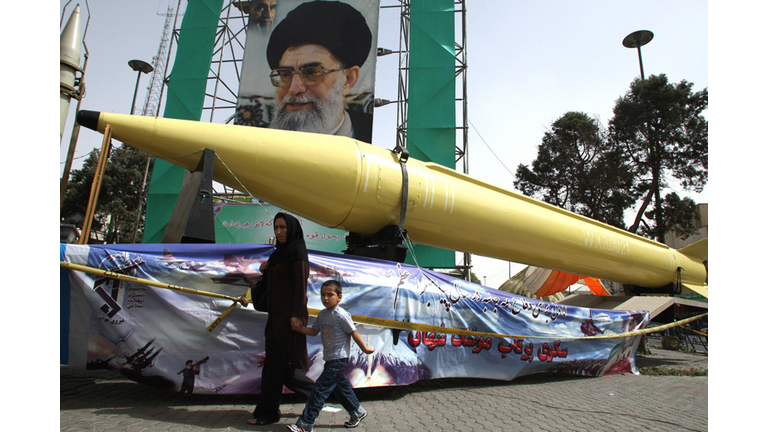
337 26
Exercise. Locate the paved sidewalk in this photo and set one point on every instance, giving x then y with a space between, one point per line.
106 401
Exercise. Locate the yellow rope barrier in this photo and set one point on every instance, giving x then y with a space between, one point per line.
401 325
245 300
696 331
134 279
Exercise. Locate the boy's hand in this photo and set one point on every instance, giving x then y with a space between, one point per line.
360 343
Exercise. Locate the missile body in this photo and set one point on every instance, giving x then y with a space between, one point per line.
69 54
342 183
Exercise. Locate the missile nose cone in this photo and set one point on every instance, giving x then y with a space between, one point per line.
89 119
70 40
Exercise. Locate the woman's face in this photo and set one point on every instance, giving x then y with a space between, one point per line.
281 230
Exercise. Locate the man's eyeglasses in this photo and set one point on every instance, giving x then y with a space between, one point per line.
263 6
310 75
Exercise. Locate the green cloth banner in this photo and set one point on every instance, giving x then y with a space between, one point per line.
252 224
432 99
186 93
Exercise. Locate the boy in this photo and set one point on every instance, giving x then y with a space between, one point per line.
337 329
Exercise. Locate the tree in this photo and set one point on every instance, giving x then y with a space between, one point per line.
678 215
119 196
578 168
661 127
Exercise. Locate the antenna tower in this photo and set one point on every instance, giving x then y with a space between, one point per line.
159 62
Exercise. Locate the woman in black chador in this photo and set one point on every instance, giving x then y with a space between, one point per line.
286 362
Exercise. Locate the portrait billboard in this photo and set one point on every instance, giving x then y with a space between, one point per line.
310 66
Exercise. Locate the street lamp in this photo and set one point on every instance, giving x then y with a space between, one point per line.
636 40
139 66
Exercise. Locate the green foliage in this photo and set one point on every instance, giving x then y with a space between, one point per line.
686 371
119 196
657 133
578 168
678 216
662 126
663 131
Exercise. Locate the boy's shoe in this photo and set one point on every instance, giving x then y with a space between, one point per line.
297 428
354 421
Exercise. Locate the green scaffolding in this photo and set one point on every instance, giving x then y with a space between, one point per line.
186 93
431 102
432 98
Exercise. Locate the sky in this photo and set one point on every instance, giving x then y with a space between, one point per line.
530 62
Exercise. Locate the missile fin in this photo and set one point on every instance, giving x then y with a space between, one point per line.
703 290
698 250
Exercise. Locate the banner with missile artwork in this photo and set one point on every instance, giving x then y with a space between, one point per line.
422 324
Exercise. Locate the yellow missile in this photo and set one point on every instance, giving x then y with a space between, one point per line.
342 183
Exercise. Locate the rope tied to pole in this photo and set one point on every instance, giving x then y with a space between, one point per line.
245 300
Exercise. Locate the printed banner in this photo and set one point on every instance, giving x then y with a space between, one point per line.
252 223
331 46
149 334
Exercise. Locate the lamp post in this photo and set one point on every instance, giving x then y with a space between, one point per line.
140 67
636 40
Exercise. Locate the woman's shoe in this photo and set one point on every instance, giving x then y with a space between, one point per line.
263 420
